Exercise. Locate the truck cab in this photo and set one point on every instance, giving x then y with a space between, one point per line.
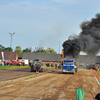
69 66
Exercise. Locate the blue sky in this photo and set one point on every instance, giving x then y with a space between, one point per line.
43 23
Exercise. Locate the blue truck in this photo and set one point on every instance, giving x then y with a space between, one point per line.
69 66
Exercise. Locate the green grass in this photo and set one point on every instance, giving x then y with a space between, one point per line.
98 71
47 67
10 67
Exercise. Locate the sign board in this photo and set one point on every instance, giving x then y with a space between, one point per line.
39 48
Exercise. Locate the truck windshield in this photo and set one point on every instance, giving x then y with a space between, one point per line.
68 62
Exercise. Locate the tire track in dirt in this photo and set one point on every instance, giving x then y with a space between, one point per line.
50 86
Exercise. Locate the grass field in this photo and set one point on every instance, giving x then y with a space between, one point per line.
48 67
10 67
98 71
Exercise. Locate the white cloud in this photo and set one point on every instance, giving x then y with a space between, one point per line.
82 53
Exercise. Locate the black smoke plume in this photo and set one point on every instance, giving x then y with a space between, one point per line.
88 40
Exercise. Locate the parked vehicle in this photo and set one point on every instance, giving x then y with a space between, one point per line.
14 63
49 64
92 65
24 61
22 64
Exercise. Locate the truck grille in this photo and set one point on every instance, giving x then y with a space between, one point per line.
68 67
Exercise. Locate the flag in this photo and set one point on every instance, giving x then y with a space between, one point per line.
80 94
2 53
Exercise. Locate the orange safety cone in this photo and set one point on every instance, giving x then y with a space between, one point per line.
6 67
96 74
19 66
13 66
98 77
94 71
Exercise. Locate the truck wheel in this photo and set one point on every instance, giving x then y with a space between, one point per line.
40 70
31 69
74 72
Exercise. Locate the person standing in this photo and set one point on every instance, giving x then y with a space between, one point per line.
98 66
55 66
37 68
97 97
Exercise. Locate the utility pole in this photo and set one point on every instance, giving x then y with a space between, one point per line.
59 51
11 43
59 46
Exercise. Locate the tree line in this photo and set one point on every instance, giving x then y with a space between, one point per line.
20 51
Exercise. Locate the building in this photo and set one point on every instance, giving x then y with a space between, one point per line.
47 57
9 55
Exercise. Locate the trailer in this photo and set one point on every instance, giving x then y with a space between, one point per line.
25 61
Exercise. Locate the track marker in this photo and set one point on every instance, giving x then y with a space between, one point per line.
96 79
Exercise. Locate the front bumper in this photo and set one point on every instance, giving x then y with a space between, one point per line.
68 71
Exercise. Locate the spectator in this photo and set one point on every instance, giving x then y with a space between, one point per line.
42 64
47 65
55 66
52 65
37 69
29 63
59 66
96 68
4 63
97 97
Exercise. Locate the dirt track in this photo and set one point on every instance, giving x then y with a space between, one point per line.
51 86
10 74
